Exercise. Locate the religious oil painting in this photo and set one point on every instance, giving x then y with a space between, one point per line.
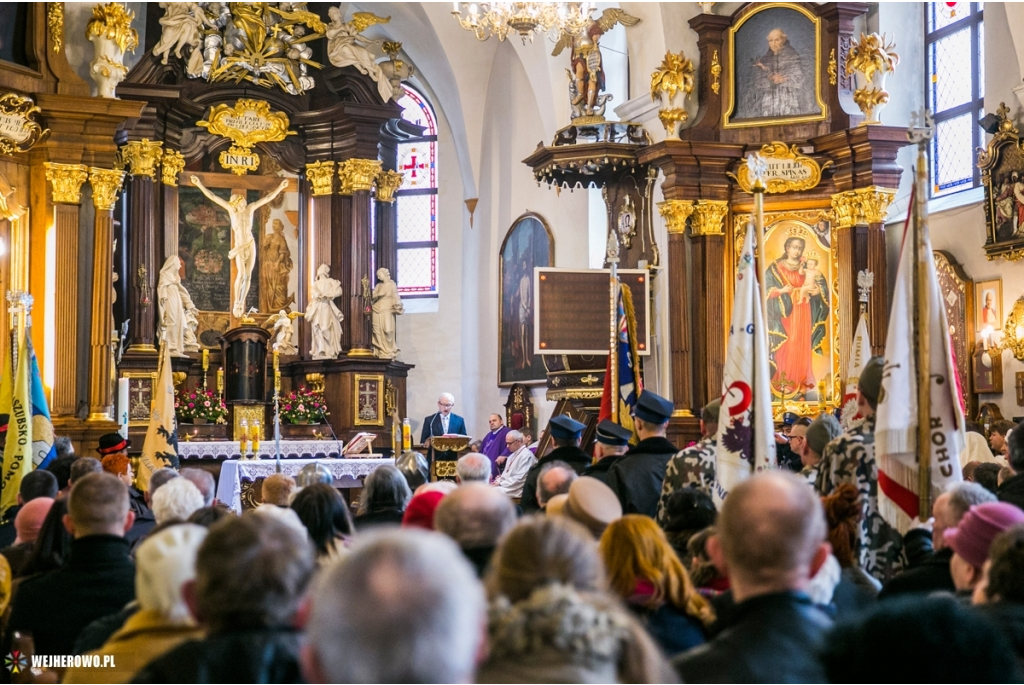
1002 174
775 68
988 304
528 244
803 324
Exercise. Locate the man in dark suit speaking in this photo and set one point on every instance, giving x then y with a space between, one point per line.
444 422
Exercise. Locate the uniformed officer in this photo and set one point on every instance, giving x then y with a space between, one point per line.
637 477
566 433
612 444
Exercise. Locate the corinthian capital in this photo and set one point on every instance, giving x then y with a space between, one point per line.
67 180
106 184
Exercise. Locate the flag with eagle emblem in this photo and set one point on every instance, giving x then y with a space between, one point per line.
745 443
161 446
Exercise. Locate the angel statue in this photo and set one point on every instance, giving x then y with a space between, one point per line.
182 27
281 324
346 47
324 316
586 77
176 307
243 245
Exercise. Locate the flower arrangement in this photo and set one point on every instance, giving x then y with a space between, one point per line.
303 406
200 404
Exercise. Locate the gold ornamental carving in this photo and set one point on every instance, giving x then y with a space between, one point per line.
172 164
114 21
862 206
871 59
709 217
321 177
357 174
55 24
19 129
316 382
671 84
675 213
387 183
106 184
833 68
248 122
786 170
66 180
716 72
141 157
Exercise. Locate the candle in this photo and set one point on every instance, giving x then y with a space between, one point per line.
406 436
220 381
206 360
122 406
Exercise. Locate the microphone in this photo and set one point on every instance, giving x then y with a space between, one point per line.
341 454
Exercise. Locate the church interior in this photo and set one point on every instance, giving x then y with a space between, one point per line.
357 203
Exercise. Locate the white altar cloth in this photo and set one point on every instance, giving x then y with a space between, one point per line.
346 472
290 449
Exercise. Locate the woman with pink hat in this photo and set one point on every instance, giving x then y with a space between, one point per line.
971 539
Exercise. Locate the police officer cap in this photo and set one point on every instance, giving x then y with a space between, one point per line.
565 428
871 378
789 418
652 408
611 433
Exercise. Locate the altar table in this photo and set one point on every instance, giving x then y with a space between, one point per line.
346 473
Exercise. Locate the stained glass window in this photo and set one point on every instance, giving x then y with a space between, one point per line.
417 201
954 48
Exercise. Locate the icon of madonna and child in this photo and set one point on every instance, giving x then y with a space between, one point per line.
798 316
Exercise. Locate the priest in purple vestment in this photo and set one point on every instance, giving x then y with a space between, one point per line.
493 444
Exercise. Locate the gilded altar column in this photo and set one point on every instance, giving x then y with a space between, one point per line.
356 178
66 195
708 247
859 217
106 184
141 157
676 213
386 222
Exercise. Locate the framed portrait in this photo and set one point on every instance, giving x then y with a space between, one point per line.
1002 175
801 283
988 304
140 396
527 246
774 75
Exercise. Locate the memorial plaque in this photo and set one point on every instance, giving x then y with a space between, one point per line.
573 313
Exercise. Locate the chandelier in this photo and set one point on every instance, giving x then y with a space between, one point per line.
486 19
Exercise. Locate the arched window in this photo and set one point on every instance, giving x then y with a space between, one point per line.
417 201
955 55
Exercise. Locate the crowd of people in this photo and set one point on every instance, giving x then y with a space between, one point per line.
614 566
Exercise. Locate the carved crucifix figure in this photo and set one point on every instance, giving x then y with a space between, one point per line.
243 245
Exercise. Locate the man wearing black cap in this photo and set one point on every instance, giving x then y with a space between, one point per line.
566 433
612 443
637 477
850 458
785 455
695 466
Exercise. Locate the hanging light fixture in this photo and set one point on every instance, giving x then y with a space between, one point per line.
501 19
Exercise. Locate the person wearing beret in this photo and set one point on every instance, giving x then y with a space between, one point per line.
612 443
637 477
566 433
850 458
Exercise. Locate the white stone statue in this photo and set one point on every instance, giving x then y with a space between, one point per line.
243 245
191 322
182 27
283 331
346 47
176 307
387 305
324 316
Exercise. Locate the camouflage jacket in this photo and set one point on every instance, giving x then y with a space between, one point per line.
850 458
692 467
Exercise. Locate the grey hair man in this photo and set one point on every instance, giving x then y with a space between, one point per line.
404 607
203 480
512 480
473 468
555 479
770 541
927 551
176 501
158 479
476 516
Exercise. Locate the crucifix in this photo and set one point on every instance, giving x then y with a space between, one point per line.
367 397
